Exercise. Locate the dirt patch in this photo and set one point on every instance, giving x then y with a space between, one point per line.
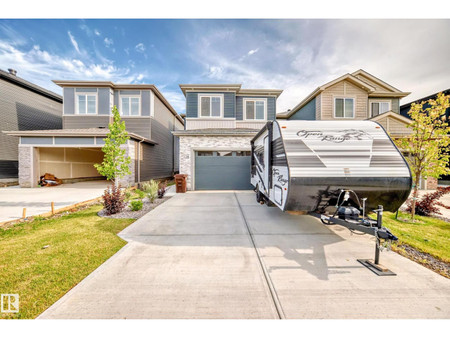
128 213
424 259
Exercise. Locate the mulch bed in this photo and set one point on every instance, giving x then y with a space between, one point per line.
424 259
128 213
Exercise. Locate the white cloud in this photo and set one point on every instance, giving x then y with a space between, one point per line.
96 32
140 77
40 67
108 42
74 42
176 99
252 51
140 47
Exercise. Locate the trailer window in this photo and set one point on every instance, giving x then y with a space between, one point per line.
259 153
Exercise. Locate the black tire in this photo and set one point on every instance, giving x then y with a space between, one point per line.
259 196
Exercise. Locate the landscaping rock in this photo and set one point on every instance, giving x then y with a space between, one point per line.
128 213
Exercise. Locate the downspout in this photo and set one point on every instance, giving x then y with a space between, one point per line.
139 162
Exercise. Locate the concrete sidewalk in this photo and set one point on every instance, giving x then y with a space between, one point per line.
38 200
192 257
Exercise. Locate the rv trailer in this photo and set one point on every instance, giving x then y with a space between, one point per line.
337 171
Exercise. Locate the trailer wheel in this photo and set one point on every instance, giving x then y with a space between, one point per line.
259 196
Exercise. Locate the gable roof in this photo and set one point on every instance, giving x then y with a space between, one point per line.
390 113
30 86
109 84
371 90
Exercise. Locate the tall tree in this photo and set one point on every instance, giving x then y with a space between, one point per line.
115 164
427 145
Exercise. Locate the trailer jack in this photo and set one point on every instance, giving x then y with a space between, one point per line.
371 227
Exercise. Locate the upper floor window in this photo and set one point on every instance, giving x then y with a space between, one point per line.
130 105
255 109
211 105
381 107
86 103
344 107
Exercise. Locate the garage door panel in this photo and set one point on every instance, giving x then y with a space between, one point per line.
222 173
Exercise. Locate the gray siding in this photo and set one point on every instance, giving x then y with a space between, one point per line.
116 98
22 109
138 125
307 112
229 109
395 103
271 106
103 101
83 121
159 160
145 103
69 101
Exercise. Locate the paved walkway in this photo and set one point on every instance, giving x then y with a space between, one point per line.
38 200
192 257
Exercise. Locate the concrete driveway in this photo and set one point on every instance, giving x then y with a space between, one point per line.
38 200
193 257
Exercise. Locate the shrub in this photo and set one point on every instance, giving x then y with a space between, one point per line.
127 195
113 200
136 205
151 188
162 189
140 193
427 205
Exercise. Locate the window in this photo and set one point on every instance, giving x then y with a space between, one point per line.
210 105
344 107
379 107
255 109
205 153
86 104
130 106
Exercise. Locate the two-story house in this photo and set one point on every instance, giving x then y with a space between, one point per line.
71 152
220 121
355 96
23 106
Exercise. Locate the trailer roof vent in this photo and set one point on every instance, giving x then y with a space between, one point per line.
12 71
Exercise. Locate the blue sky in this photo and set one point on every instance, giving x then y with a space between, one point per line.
294 55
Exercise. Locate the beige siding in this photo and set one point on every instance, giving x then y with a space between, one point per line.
384 123
397 127
377 86
69 162
318 106
344 89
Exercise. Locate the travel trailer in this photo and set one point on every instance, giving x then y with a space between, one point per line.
338 171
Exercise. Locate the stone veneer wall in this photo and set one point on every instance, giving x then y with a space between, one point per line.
129 152
188 145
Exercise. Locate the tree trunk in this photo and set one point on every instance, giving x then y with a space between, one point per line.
415 193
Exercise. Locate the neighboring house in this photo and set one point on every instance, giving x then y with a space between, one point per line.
404 109
220 121
23 106
71 152
356 96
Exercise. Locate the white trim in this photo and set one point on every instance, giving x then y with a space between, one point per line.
208 118
199 107
129 97
152 104
379 101
244 109
344 98
77 94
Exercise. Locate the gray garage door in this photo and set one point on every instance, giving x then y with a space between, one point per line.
222 170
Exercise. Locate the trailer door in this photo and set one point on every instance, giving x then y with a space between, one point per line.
267 161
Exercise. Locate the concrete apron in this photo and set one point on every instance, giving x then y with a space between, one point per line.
192 257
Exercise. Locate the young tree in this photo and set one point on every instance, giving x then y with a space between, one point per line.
428 142
115 164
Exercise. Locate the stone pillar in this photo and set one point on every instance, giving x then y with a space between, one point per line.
129 152
26 166
432 183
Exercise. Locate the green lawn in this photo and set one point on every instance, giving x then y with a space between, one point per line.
429 235
78 244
